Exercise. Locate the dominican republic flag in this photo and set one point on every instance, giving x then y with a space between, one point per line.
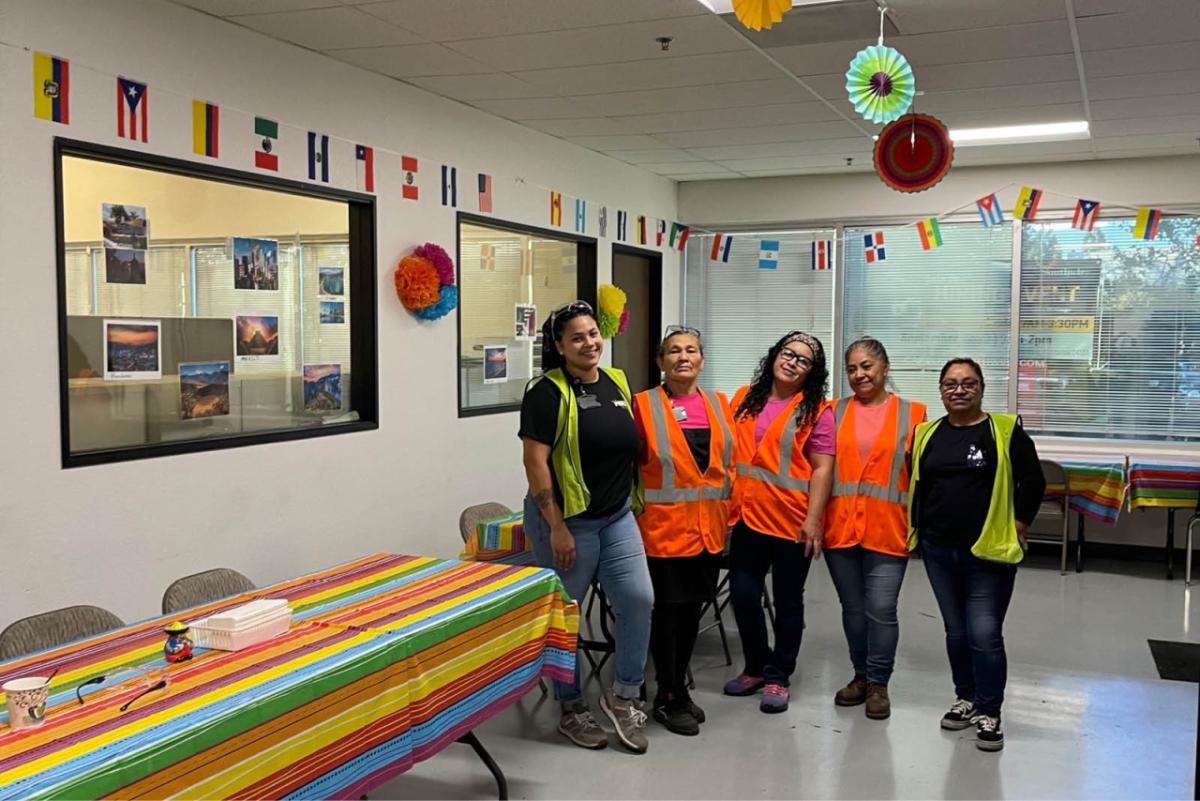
132 122
603 222
768 254
485 193
265 157
364 162
1145 225
556 208
1027 203
205 128
318 156
679 235
622 218
51 88
873 247
822 254
449 186
720 248
1086 212
659 232
580 215
989 210
408 165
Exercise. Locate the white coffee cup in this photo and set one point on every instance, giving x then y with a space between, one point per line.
26 699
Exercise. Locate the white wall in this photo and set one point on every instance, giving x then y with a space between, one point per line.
75 536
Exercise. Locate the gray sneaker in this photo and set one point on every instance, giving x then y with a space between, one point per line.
628 718
582 729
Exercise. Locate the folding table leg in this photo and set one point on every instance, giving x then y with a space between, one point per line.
501 783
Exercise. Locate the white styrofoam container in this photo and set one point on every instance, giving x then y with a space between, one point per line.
249 614
204 636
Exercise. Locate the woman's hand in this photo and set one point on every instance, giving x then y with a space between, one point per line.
562 546
1022 530
813 537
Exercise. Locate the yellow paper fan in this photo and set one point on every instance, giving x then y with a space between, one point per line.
759 14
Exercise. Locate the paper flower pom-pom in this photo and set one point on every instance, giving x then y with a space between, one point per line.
913 153
416 282
440 259
759 14
880 83
611 299
447 300
624 321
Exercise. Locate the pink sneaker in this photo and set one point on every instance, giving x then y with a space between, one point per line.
744 684
775 698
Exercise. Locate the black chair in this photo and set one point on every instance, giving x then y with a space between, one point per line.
202 588
1192 521
1055 473
41 632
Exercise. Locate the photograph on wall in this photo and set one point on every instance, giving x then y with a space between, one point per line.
322 387
256 337
526 322
255 264
331 282
125 226
132 350
495 364
203 389
124 266
333 312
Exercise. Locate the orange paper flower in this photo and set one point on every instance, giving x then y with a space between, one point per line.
417 282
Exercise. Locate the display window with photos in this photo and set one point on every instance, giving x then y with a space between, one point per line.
510 278
201 308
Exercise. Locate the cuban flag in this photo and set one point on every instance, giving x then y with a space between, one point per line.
768 254
873 247
580 215
364 160
989 210
132 122
449 186
720 249
1086 212
318 157
822 254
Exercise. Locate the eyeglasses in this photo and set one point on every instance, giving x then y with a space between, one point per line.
792 356
573 307
967 385
671 330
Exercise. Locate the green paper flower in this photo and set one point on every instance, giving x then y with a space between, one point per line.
880 84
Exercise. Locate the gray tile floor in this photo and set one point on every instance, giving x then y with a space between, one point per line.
1085 717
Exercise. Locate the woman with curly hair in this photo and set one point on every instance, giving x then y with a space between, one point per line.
784 445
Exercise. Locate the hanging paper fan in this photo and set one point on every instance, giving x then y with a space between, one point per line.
880 83
913 153
759 14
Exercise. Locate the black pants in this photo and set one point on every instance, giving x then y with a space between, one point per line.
673 631
751 555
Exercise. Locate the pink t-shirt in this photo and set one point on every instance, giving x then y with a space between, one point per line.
822 440
868 422
693 405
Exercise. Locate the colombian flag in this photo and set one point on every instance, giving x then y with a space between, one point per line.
931 234
1146 224
205 126
51 88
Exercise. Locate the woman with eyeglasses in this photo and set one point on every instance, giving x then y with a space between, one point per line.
784 446
580 447
976 487
866 523
685 457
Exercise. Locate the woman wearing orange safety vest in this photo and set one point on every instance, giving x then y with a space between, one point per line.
783 452
685 455
866 522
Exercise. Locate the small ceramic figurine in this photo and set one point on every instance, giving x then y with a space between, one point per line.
179 645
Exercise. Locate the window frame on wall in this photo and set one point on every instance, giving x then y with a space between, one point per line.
585 288
364 363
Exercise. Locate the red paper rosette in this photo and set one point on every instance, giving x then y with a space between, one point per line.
913 153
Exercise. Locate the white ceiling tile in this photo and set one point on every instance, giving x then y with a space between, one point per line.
1015 154
748 117
1023 115
999 98
1163 83
453 20
795 162
1185 141
826 58
673 72
488 86
1189 123
581 126
716 96
327 28
604 44
228 8
1004 72
726 153
808 171
684 167
706 176
657 156
985 160
985 44
409 61
1159 106
608 144
539 108
928 16
761 134
1153 22
1088 8
1141 60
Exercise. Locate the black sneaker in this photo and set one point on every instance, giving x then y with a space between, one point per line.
696 711
960 716
677 718
988 734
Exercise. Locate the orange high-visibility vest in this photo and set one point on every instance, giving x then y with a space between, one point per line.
869 502
770 490
686 505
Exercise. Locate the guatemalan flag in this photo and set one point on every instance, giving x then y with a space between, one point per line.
364 161
132 121
768 254
318 157
1086 212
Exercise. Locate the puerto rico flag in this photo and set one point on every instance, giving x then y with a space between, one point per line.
408 164
449 186
1086 212
485 193
1027 203
720 249
989 210
132 120
873 247
51 88
364 161
822 254
1145 226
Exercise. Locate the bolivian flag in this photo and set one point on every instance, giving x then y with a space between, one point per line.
51 88
931 234
205 128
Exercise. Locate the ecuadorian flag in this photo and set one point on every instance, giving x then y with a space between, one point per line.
205 128
51 88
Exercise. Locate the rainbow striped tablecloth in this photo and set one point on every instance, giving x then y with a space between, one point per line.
500 539
1170 486
388 659
1097 488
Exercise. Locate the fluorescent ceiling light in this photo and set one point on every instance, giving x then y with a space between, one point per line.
1012 134
726 6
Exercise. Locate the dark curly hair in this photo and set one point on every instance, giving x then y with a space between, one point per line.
552 331
813 391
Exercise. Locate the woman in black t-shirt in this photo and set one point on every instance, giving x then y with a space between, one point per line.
580 444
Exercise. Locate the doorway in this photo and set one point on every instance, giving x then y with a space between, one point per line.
639 273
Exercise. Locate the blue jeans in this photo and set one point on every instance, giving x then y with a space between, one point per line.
608 549
868 585
973 595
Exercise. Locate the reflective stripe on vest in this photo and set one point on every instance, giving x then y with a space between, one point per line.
783 479
891 493
669 493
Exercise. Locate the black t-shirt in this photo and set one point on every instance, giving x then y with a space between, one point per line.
958 469
607 438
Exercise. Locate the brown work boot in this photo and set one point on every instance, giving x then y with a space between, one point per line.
878 705
853 693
